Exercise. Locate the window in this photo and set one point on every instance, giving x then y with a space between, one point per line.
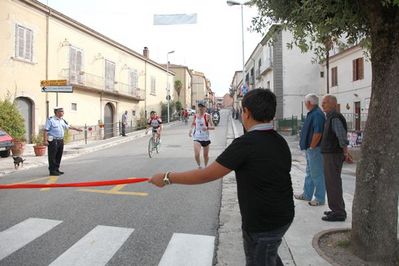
322 74
268 85
109 75
133 80
74 106
75 65
23 43
153 90
358 69
334 76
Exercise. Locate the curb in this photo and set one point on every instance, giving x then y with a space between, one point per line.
316 240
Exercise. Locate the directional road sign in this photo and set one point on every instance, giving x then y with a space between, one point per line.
67 89
55 82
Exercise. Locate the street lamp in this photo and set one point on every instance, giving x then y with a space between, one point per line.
167 80
234 3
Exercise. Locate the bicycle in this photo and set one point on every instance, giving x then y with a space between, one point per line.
153 144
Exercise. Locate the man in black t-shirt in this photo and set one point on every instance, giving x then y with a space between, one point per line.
261 160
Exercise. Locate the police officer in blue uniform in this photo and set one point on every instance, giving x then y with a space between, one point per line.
54 138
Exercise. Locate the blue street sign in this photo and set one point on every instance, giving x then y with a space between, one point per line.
65 89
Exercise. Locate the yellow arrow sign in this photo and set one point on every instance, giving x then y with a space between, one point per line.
55 82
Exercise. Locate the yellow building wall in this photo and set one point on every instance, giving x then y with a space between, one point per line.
20 78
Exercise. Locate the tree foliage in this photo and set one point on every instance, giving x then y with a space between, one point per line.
178 86
11 120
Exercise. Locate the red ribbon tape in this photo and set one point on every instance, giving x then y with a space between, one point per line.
82 184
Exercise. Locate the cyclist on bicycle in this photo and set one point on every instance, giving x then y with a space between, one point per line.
185 115
156 123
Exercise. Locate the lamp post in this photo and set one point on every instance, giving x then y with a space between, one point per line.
167 80
234 3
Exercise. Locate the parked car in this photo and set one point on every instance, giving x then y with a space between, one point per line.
5 144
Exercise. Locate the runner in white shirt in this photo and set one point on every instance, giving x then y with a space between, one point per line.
201 125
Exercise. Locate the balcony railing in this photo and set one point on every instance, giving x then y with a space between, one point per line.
99 83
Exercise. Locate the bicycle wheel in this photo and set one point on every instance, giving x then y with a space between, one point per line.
157 146
151 146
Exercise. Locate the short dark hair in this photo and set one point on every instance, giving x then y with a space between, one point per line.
152 112
262 104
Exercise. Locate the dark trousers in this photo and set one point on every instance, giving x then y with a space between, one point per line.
55 150
123 129
261 249
332 172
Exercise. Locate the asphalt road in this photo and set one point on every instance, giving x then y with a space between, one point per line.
142 219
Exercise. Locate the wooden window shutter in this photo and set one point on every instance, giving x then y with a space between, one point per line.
78 66
28 44
354 70
361 68
20 39
72 65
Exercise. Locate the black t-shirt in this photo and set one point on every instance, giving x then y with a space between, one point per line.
262 163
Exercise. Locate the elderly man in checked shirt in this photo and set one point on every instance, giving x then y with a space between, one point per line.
335 151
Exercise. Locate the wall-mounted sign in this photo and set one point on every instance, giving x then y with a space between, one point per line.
65 89
55 82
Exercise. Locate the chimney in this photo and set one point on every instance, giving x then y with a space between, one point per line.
146 52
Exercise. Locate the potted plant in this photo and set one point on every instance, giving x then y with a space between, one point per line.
12 122
38 141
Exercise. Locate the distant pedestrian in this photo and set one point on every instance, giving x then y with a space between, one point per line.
54 138
124 123
310 140
199 130
261 160
335 151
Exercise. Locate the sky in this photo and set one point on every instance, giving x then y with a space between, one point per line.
212 46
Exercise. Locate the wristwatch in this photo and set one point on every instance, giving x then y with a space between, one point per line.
166 179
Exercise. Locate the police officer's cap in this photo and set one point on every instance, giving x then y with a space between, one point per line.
58 109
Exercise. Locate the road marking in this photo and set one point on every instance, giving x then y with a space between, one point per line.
95 248
30 181
114 192
51 180
186 249
21 234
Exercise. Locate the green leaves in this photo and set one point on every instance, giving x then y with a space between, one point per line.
11 120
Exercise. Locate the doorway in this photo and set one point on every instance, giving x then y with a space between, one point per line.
25 107
108 121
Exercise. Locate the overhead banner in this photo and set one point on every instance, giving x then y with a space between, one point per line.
175 19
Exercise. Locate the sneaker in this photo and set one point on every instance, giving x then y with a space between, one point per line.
315 203
300 197
61 173
327 212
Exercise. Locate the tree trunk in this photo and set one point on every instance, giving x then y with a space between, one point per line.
375 204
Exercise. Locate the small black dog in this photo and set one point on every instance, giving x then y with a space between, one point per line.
17 161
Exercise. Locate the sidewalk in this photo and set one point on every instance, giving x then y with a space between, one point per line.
296 248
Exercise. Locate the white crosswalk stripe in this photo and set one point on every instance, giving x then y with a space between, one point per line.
23 233
95 248
189 250
99 245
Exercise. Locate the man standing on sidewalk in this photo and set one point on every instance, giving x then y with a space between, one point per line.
335 151
311 134
54 138
261 160
124 123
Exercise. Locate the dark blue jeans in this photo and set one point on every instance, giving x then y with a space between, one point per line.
261 248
